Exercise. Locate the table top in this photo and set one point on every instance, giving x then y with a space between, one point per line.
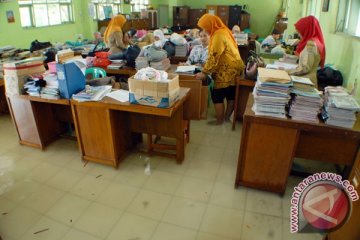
306 126
128 107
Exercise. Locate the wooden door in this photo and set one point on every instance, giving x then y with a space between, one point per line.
24 120
195 15
212 9
94 129
269 168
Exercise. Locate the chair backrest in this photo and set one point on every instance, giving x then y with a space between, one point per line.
95 72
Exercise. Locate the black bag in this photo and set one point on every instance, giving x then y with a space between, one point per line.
131 54
36 45
329 77
169 47
252 63
98 49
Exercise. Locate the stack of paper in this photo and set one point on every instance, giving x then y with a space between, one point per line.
92 93
32 88
306 100
340 107
141 62
271 93
116 64
181 50
186 69
51 90
161 65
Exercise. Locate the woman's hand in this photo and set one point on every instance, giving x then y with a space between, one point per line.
200 76
183 64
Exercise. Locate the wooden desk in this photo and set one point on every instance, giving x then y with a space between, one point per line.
243 88
39 121
268 146
196 106
104 128
3 104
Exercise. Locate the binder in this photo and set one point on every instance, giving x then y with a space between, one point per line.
71 79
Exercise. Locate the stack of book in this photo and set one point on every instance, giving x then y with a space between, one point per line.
141 62
306 101
340 107
181 50
161 65
51 90
271 93
92 93
116 64
32 88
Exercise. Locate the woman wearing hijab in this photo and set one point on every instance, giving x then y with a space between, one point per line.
223 64
311 48
113 35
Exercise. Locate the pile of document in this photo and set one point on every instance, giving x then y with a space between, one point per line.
141 62
32 88
271 93
161 65
92 93
51 90
340 107
306 100
181 50
116 64
186 69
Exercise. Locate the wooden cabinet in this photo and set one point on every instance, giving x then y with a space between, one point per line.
39 121
180 16
132 23
281 25
212 9
245 20
3 104
194 16
234 16
223 14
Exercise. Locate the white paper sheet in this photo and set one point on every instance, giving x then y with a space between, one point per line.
119 95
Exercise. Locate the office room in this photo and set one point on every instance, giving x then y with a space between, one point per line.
179 120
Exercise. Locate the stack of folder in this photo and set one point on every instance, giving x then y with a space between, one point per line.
271 93
92 93
141 62
181 50
161 65
306 100
340 107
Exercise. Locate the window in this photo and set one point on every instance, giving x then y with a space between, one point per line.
40 13
348 20
106 8
313 8
138 5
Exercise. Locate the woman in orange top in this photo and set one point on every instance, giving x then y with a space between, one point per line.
113 35
224 64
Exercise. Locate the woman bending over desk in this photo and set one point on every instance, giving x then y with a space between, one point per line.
223 63
311 48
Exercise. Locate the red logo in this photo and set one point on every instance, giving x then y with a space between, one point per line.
325 206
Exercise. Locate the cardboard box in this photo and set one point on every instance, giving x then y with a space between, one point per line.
161 94
16 74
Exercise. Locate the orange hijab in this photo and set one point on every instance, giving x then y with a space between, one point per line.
115 25
213 25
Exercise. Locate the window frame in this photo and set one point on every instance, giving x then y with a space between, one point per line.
343 19
97 4
31 9
139 3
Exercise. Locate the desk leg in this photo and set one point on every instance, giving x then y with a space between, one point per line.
235 105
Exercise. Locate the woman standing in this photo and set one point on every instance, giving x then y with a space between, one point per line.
223 64
311 48
113 35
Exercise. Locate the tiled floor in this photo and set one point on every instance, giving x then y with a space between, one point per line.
52 195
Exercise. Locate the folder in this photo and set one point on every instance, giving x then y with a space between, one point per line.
71 79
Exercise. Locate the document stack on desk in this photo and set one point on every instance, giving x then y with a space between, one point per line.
162 65
116 64
141 62
340 107
51 90
92 93
186 69
306 100
181 50
271 93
